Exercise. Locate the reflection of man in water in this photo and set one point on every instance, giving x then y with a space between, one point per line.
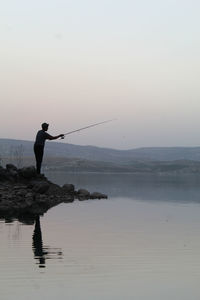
40 251
38 244
41 137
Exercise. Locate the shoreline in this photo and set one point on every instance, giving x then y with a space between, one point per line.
23 191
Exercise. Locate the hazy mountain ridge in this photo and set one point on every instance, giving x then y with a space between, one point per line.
75 158
56 149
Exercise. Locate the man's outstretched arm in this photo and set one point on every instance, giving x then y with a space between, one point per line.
50 137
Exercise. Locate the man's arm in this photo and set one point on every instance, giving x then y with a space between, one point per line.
50 137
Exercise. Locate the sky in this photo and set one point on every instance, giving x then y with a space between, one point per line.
72 63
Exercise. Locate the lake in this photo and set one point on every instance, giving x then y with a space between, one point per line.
141 243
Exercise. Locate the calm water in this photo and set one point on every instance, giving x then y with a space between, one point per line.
141 243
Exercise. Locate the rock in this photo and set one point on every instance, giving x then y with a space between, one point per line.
18 187
23 191
41 199
83 194
10 167
29 197
68 188
13 173
67 198
28 172
3 174
97 195
41 177
41 187
54 189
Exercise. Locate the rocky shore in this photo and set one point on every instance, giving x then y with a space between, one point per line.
24 192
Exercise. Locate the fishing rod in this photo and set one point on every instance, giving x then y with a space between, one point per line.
89 126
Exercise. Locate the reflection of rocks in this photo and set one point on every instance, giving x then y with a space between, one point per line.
23 191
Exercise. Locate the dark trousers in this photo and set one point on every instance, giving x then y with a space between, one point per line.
39 151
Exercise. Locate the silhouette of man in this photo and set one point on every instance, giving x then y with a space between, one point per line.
39 144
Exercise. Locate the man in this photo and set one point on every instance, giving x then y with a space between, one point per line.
41 137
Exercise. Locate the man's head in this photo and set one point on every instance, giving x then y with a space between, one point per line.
45 126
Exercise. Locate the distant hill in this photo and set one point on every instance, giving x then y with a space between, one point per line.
10 147
75 158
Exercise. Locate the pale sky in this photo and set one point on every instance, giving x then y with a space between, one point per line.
72 63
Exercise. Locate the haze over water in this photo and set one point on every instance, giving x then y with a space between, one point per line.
144 245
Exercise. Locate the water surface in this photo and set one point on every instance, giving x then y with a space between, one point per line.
141 243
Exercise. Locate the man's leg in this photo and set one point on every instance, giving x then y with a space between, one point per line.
39 151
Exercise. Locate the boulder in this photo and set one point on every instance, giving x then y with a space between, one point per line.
29 197
83 194
13 173
97 195
54 189
11 167
68 188
21 192
3 174
28 172
41 187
